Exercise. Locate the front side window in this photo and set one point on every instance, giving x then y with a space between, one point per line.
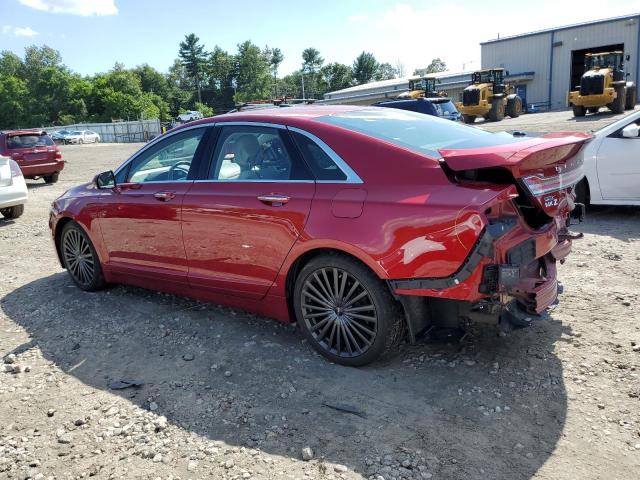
247 153
169 160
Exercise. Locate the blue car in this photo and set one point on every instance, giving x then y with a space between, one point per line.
441 107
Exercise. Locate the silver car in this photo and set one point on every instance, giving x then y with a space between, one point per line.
13 189
82 136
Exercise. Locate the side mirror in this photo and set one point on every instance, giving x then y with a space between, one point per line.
631 131
105 180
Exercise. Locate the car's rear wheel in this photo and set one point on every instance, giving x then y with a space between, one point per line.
12 212
52 178
80 258
346 312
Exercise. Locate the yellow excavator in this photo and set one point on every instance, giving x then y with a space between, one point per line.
422 87
489 97
603 84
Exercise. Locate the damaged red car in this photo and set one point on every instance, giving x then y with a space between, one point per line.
364 225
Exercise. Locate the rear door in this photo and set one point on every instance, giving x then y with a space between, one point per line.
242 218
618 165
140 217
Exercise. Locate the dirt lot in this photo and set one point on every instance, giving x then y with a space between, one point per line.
229 395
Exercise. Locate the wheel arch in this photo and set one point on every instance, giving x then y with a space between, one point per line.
57 236
302 258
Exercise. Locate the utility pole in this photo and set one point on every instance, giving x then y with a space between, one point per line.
302 77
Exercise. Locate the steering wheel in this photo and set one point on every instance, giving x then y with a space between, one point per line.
183 167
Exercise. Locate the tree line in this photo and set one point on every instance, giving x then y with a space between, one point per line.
39 90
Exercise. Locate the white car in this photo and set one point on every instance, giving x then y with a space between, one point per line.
13 189
190 116
612 165
82 136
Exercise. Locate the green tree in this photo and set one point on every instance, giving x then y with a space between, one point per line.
275 58
13 97
365 67
194 59
221 75
336 76
253 79
385 71
436 66
311 64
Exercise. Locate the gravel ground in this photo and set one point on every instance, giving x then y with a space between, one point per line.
228 395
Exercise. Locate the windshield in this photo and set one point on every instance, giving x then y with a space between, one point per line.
605 60
445 109
421 133
28 141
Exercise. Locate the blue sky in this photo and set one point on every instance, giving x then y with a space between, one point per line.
92 35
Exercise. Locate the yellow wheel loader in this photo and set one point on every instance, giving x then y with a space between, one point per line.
422 87
603 84
487 96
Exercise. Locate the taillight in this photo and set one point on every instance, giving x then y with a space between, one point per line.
58 155
15 169
565 176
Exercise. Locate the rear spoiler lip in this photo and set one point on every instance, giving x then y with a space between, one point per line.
511 154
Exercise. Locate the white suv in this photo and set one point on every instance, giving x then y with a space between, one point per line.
13 189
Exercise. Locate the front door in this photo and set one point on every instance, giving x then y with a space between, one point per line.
140 218
240 222
618 165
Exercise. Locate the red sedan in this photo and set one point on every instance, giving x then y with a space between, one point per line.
362 224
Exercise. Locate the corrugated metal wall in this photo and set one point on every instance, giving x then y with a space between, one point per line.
525 54
534 53
118 132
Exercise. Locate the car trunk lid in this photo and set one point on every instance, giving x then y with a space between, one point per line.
545 168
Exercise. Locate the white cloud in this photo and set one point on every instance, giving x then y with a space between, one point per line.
24 32
83 8
19 31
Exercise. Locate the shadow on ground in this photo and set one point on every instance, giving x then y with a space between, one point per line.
440 399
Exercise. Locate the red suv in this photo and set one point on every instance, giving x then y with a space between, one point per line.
362 224
35 153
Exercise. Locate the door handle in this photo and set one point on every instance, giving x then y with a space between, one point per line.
164 196
274 200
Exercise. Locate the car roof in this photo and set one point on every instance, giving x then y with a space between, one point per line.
24 132
276 114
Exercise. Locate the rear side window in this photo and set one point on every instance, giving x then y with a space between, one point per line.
320 163
28 141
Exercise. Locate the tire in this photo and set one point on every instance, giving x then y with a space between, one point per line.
632 97
497 110
97 140
12 212
514 106
52 178
582 192
80 258
80 142
579 111
468 118
617 106
593 109
332 328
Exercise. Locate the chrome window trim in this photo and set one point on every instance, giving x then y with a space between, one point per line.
156 140
352 177
257 180
251 124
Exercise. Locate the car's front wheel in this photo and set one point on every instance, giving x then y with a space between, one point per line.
80 258
346 312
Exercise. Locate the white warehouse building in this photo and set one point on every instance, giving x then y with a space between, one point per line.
545 65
